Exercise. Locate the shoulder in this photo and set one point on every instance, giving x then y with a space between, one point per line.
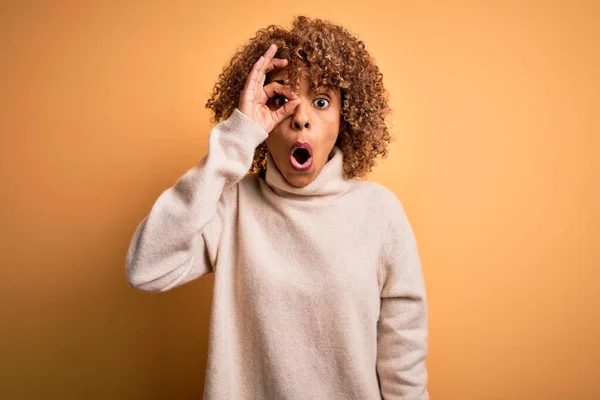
389 209
380 195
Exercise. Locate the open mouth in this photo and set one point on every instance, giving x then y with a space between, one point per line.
301 156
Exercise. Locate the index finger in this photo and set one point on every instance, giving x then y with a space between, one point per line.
252 78
262 72
270 52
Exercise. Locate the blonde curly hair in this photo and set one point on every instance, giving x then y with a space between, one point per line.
330 56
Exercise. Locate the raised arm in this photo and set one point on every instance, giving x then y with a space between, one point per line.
177 240
171 245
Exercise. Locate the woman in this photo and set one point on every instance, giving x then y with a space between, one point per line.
318 288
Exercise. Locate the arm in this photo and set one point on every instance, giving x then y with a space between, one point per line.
402 334
176 242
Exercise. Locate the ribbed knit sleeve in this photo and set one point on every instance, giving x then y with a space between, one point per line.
177 241
402 334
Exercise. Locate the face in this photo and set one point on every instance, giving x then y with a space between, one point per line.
314 123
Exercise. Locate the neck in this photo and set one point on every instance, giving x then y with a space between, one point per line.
331 182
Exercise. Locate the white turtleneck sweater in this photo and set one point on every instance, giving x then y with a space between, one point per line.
318 291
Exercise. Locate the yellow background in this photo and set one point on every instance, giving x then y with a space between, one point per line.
496 118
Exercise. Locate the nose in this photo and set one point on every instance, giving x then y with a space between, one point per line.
300 118
299 124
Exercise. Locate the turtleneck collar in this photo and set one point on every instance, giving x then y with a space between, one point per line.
330 183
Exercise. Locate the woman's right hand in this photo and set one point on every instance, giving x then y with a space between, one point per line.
253 100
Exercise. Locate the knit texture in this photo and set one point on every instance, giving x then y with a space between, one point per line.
318 291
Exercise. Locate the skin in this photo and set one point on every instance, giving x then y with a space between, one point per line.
316 120
289 117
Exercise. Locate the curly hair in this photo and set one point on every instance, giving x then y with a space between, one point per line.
330 56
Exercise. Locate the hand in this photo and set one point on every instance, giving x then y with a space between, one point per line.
254 97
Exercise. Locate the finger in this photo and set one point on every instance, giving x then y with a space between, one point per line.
270 53
268 56
285 110
252 78
275 88
275 63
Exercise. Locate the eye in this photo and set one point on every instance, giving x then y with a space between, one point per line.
277 98
320 101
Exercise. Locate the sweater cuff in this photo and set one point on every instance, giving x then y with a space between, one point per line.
245 128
